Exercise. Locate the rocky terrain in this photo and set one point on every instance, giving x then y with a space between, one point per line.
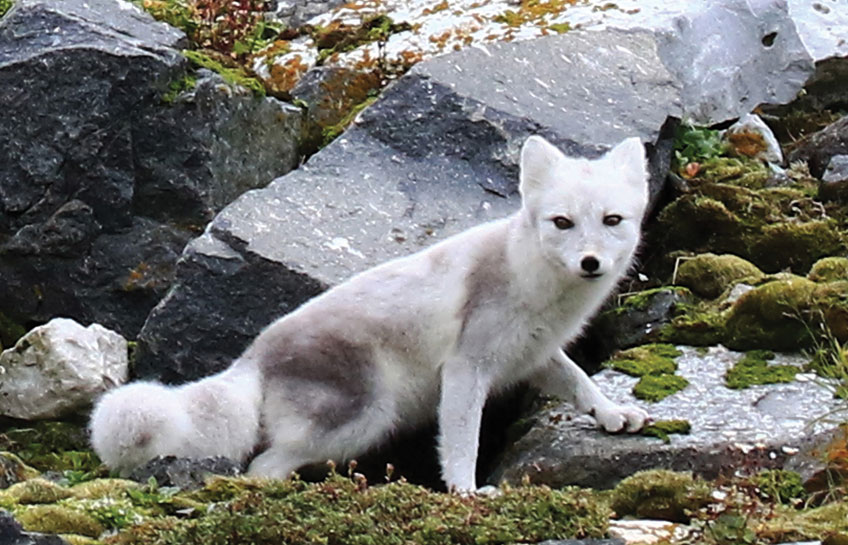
175 185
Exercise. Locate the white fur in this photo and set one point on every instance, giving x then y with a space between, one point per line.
443 329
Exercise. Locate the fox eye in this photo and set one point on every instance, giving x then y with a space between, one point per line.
563 223
612 220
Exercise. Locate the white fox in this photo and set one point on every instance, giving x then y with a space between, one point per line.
430 335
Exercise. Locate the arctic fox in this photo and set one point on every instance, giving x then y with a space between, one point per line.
426 336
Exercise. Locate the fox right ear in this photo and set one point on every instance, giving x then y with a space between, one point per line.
538 157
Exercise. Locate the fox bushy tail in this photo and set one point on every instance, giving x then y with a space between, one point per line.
215 416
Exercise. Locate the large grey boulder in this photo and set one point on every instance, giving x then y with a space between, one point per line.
435 155
103 179
756 428
59 368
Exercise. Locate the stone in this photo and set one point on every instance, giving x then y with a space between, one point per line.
12 533
818 148
60 368
752 429
751 137
437 154
107 169
726 55
648 532
185 473
834 184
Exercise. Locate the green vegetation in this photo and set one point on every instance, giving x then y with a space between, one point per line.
829 269
654 364
753 368
696 144
660 494
233 76
331 133
5 5
779 485
661 429
53 446
179 86
708 275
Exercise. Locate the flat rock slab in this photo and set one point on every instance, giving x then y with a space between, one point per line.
435 156
751 429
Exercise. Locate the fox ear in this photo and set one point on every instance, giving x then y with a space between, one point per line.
629 158
538 157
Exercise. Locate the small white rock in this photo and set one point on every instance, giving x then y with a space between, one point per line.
59 368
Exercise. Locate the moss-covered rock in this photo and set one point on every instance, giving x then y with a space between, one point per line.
14 470
58 519
708 275
658 387
341 510
36 491
52 446
753 368
660 494
654 364
829 269
103 488
774 228
661 429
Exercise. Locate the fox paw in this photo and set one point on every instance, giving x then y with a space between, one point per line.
619 418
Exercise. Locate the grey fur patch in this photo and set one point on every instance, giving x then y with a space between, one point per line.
328 379
485 282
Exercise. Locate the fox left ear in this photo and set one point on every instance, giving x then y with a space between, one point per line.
629 158
538 157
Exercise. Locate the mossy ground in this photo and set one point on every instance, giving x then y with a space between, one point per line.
753 368
654 364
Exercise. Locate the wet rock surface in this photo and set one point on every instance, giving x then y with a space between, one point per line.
185 473
731 430
103 180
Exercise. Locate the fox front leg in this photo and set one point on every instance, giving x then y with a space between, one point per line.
563 378
463 395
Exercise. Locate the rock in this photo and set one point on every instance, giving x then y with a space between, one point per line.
751 137
636 319
12 533
183 472
728 54
709 275
834 184
59 368
107 170
13 470
648 532
755 428
817 149
293 13
437 154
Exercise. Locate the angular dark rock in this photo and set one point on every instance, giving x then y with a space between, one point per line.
435 155
12 533
756 428
185 473
818 148
103 178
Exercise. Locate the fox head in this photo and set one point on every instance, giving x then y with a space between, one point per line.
585 214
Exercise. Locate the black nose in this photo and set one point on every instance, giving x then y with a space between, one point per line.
590 264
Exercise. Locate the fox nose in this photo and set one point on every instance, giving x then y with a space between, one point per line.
590 264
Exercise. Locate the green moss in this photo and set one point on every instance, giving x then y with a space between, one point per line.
37 491
331 133
58 519
103 488
5 5
233 76
14 469
178 87
699 324
660 494
828 523
709 275
696 144
642 300
53 446
661 429
753 368
648 359
560 28
340 510
780 485
829 269
658 387
75 539
742 172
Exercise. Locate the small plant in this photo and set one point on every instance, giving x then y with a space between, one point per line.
5 5
780 485
694 145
